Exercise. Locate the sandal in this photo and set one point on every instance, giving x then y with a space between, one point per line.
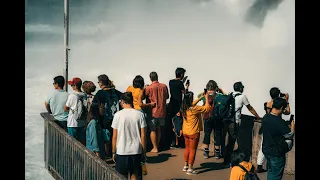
191 172
185 168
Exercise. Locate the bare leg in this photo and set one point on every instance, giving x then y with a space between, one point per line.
153 137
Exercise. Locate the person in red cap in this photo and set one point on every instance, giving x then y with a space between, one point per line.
77 106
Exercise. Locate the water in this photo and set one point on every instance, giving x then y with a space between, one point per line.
126 38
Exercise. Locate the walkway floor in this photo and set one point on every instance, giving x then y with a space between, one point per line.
167 165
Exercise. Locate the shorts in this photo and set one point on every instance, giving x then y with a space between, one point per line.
129 164
156 122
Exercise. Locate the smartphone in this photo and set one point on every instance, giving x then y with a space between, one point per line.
188 82
205 91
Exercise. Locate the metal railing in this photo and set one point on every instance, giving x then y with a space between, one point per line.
66 158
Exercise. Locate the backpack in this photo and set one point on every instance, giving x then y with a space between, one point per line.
250 175
224 106
82 108
110 106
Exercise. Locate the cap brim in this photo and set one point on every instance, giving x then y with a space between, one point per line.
70 82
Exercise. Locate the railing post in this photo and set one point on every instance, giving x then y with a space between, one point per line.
46 144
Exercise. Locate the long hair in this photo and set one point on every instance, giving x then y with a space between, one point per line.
93 112
186 103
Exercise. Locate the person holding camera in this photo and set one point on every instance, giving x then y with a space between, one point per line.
274 92
192 125
277 139
210 124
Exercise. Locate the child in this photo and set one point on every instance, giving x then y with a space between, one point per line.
177 128
239 157
94 132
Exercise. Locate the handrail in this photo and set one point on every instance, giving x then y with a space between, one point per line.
66 158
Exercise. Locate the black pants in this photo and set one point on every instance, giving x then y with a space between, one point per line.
62 124
232 129
217 127
129 164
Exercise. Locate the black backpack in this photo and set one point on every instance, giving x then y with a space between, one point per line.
110 107
224 106
250 175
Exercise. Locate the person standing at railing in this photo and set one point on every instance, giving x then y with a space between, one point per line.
274 92
277 139
129 138
77 106
88 88
55 103
94 132
231 125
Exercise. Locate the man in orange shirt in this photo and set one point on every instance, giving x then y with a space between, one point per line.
158 94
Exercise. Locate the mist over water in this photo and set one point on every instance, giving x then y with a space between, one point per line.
125 38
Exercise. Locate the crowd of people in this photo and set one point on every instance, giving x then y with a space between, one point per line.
118 124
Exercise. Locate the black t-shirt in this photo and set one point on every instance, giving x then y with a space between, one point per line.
274 129
176 87
101 95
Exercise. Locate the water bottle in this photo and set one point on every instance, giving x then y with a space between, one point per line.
144 168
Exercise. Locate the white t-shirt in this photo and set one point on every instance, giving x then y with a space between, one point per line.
74 110
129 123
240 100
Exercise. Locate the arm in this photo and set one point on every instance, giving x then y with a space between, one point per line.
47 107
141 104
198 99
114 141
245 101
143 139
143 132
114 125
68 103
253 111
204 108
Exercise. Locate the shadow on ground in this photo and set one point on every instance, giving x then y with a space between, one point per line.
160 158
209 166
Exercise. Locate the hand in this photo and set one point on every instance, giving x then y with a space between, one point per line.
143 157
287 97
207 95
114 157
153 104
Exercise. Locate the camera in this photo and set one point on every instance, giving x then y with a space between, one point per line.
282 95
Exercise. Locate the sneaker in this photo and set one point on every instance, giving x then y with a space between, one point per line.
185 168
260 169
217 155
191 172
206 154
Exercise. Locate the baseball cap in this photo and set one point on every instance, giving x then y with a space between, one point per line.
75 81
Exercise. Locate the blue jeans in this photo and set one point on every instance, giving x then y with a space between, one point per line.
77 133
275 166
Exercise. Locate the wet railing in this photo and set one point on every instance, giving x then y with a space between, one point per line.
66 158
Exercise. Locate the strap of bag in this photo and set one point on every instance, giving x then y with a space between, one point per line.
243 168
